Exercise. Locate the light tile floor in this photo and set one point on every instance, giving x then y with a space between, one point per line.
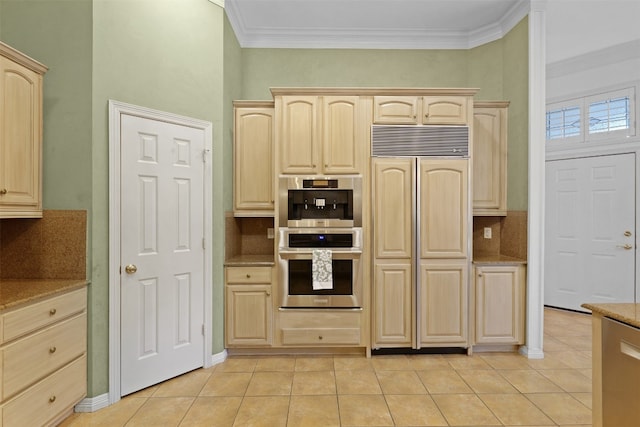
486 389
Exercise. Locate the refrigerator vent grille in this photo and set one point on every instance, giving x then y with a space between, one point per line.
424 141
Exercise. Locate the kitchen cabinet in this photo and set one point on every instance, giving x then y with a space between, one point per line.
320 135
421 243
249 306
20 134
426 110
321 327
499 304
490 158
443 297
253 148
43 354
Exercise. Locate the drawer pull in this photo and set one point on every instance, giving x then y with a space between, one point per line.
320 337
248 276
52 312
52 399
52 349
3 192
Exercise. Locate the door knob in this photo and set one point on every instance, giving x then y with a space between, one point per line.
131 268
626 247
627 233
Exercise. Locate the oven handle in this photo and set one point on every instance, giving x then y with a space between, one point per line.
305 254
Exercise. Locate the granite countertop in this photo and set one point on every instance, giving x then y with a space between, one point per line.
628 313
496 259
15 292
250 261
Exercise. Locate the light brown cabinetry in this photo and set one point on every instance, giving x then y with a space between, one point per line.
490 158
20 134
427 110
320 134
499 304
43 354
430 273
253 147
249 309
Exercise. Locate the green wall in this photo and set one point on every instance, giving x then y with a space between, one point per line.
148 53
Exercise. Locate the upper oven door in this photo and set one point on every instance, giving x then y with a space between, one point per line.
316 202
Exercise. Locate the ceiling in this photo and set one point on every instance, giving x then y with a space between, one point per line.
372 24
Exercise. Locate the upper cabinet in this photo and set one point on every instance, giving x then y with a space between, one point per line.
253 179
320 135
426 110
490 158
20 134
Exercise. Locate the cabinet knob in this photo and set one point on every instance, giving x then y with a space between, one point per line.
52 399
320 337
52 349
479 274
248 276
268 293
52 312
3 192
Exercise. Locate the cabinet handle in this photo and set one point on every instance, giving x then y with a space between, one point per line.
52 349
52 312
3 192
52 399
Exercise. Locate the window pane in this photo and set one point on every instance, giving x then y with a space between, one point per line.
609 115
563 123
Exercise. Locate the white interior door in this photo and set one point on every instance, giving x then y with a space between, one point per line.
162 254
590 231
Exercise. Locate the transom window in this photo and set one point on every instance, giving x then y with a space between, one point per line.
592 118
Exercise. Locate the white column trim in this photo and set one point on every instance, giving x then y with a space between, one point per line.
535 229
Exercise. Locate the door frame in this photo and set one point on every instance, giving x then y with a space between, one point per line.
116 109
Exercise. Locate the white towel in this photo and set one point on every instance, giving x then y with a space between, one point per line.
321 269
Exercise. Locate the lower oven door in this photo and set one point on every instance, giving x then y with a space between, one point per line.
296 280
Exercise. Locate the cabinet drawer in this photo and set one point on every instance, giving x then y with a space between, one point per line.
30 359
320 336
43 313
49 398
248 274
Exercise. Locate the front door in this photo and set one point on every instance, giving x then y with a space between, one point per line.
590 231
162 251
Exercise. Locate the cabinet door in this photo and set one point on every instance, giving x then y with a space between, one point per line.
499 294
342 135
442 310
249 315
444 208
20 140
393 201
445 110
489 161
393 110
299 142
393 308
253 159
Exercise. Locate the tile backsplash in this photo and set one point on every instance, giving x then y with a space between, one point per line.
53 247
509 235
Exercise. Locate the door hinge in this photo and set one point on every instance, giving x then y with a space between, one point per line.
203 243
203 329
204 155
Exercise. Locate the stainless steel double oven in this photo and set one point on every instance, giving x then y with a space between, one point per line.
320 213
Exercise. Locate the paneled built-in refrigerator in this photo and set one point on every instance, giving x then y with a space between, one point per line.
421 240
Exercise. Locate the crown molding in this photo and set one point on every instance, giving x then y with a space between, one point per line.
400 38
598 58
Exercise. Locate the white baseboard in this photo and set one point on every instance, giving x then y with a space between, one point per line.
219 357
92 404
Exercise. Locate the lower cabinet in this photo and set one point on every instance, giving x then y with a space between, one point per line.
249 307
44 363
322 327
499 304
